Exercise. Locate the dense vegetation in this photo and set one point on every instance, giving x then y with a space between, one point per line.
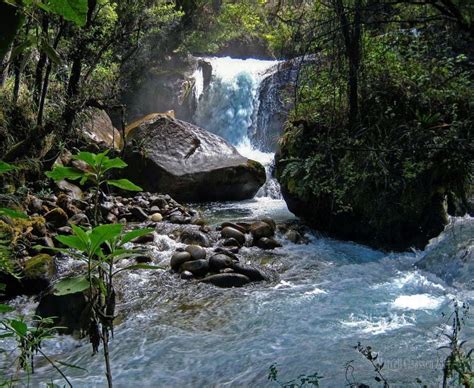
381 133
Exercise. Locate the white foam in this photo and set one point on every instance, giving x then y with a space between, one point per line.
378 325
246 149
418 302
315 291
411 279
226 68
198 77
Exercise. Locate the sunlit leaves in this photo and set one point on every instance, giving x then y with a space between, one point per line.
71 285
60 172
124 184
72 10
12 213
5 167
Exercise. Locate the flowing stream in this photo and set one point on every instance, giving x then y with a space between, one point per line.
328 296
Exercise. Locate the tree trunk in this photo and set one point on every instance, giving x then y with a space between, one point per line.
11 20
354 64
75 76
17 73
4 67
352 36
45 85
41 63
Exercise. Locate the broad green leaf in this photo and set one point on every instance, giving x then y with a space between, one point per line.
19 326
59 173
136 233
124 184
109 164
103 233
88 157
137 266
141 266
12 213
88 176
82 234
74 242
100 159
72 10
51 53
5 308
71 285
5 167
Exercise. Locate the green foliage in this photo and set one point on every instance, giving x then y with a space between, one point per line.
71 285
29 340
300 382
99 248
412 142
234 20
98 165
5 167
71 10
12 213
459 362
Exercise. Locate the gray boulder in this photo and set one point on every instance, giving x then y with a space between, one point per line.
227 280
196 267
179 258
188 162
229 232
220 261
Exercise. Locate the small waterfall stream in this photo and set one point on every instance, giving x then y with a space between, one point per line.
229 107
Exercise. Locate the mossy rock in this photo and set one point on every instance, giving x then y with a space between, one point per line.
39 266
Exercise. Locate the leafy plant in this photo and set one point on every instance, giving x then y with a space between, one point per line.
458 363
300 382
98 165
371 356
29 341
6 265
99 248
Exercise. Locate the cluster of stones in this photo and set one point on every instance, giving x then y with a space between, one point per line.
223 268
55 215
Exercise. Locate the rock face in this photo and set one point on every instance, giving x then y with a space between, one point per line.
276 96
99 128
167 85
189 163
451 255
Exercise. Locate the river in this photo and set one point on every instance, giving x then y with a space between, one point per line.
329 295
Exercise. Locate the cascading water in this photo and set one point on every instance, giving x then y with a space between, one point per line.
229 106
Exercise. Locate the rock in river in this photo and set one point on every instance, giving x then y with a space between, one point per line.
179 258
196 251
227 280
220 261
229 232
196 267
189 163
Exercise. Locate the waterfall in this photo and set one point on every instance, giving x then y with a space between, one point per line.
228 107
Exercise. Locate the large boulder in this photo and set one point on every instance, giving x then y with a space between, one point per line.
189 163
